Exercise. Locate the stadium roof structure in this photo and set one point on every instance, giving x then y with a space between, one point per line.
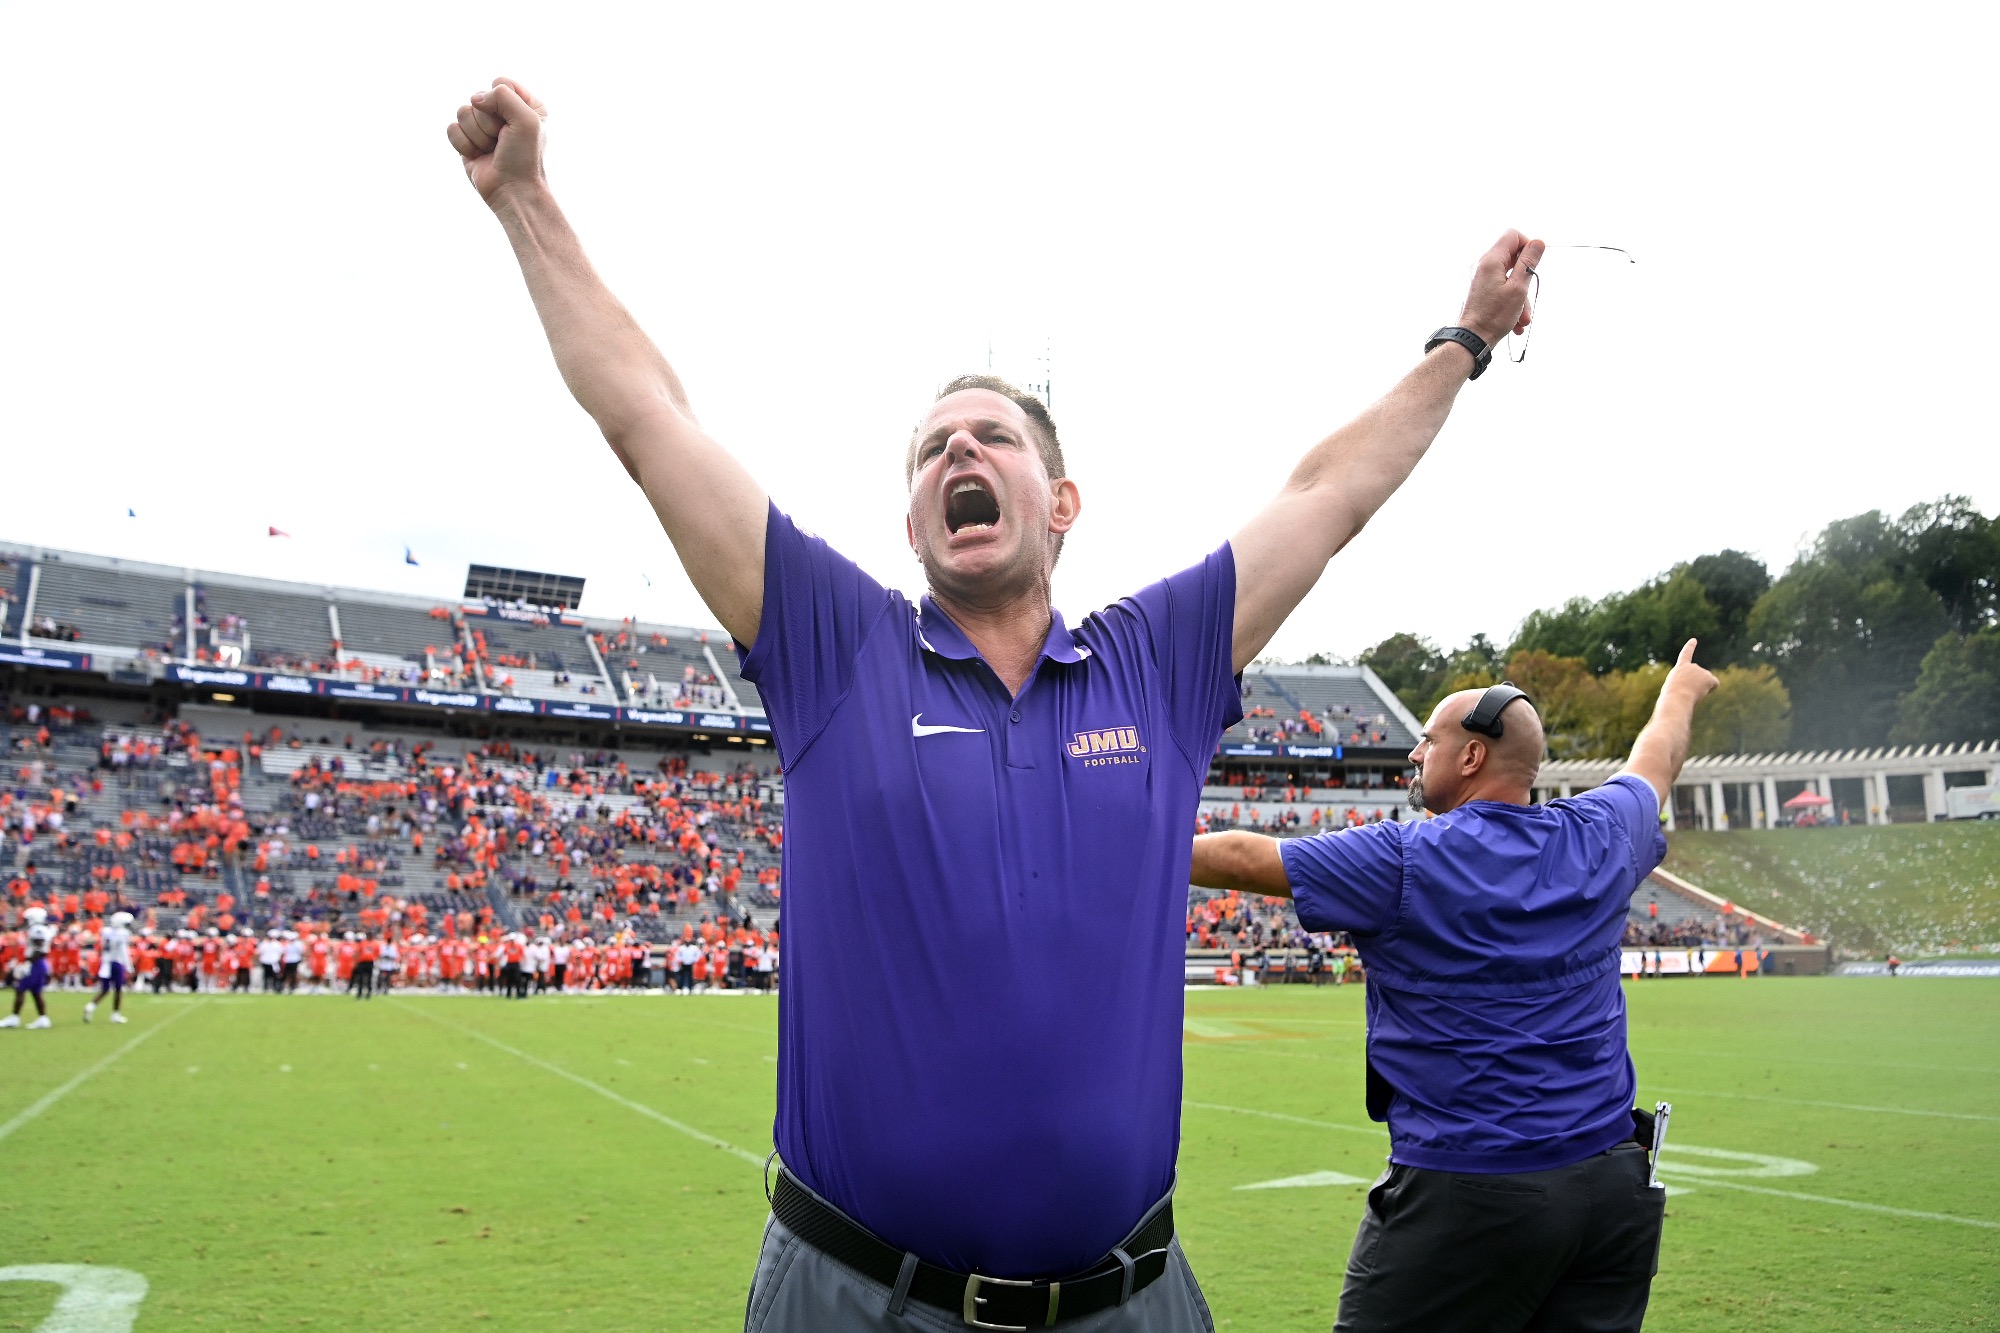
1753 779
562 591
218 630
133 620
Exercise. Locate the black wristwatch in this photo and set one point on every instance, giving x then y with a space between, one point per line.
1482 355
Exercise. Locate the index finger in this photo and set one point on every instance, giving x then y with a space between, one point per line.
1687 653
1504 250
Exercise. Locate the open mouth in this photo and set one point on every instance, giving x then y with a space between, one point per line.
970 507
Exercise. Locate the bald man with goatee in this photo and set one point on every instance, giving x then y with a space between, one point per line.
1517 1195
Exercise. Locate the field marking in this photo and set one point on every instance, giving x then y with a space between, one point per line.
95 1299
1372 1130
1311 1180
1822 1060
1707 1183
1760 1164
602 1091
1837 1106
49 1099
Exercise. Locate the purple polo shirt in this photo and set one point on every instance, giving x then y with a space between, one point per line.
1491 937
979 1034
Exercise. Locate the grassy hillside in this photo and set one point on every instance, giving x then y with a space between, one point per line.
1915 888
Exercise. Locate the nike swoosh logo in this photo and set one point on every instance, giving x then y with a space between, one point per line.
917 728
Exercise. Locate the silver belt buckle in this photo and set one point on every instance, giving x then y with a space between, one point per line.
973 1300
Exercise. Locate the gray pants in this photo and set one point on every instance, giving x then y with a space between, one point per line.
798 1289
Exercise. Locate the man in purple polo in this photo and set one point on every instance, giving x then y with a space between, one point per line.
978 1111
1518 1193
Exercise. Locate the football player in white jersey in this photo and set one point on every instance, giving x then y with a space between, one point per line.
114 966
31 973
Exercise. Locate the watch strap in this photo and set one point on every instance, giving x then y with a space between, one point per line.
1482 355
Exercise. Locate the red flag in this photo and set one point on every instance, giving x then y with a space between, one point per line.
276 532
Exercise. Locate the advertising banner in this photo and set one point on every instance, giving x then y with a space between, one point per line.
362 690
227 676
654 717
447 698
590 712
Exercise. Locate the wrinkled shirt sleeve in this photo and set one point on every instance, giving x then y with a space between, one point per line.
1351 880
1632 804
819 608
1188 622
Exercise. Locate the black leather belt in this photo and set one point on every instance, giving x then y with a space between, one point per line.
981 1301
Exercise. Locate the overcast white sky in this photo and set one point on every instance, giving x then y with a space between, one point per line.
245 283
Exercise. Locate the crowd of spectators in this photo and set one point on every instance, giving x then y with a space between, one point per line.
1728 930
1337 723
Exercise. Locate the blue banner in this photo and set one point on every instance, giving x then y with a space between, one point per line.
365 692
228 676
424 696
44 657
590 712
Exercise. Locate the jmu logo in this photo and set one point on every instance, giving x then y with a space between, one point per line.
1106 742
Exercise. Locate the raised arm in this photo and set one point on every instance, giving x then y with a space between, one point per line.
1662 746
1337 487
712 509
1246 862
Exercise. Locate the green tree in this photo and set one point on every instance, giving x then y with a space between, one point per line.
1570 630
1569 697
1957 695
1847 628
1650 623
1955 550
1748 712
1409 665
1733 581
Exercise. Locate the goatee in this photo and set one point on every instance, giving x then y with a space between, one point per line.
1416 793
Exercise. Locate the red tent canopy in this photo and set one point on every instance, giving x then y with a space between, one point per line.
1808 797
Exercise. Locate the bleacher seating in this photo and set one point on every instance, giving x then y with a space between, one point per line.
381 627
290 626
1342 699
112 606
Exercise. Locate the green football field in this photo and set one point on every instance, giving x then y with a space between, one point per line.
586 1162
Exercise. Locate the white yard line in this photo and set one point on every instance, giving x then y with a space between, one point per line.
1371 1130
598 1088
49 1099
1836 1106
1707 1182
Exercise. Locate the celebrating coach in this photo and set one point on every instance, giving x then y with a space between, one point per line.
978 1109
1517 1192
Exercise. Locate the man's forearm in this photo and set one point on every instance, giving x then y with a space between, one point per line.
1662 747
1362 464
1245 862
1335 489
610 365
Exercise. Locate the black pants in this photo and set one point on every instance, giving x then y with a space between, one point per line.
1574 1248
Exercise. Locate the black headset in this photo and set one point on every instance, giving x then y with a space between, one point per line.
1485 715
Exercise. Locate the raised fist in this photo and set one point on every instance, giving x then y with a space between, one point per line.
1498 302
499 135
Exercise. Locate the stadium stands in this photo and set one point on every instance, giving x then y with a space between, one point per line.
374 624
108 605
282 627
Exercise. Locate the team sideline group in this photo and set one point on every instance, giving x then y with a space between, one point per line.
314 960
